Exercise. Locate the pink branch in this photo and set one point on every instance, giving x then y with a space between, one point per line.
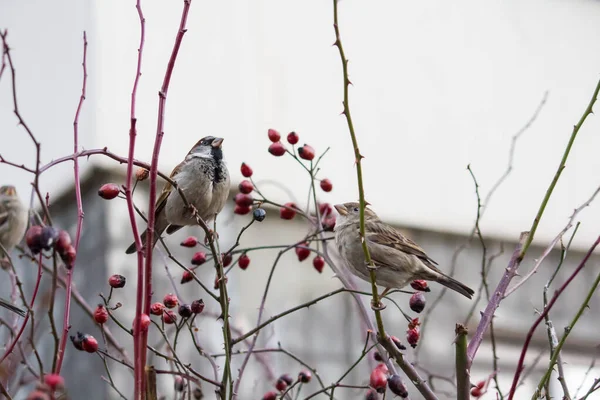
138 348
80 214
543 314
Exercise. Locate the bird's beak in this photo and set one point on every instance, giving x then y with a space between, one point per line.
341 209
217 142
9 191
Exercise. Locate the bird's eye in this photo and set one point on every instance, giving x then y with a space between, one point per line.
355 209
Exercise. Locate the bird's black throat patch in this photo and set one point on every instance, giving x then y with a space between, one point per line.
217 154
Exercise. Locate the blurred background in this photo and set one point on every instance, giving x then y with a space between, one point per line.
436 86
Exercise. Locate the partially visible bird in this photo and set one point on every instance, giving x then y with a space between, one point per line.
203 178
398 259
13 223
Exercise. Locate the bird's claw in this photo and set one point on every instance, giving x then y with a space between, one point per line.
211 236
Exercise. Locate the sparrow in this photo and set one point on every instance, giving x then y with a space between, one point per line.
204 179
13 223
398 259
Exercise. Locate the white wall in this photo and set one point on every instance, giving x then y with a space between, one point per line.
437 85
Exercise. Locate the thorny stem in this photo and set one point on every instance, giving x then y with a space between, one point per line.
463 383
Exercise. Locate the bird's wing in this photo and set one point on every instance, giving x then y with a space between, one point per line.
385 238
167 189
3 217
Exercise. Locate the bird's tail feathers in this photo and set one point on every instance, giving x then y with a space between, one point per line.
455 285
159 227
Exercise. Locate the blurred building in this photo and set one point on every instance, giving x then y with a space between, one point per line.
436 87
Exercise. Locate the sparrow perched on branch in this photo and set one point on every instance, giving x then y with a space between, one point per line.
13 223
398 259
204 179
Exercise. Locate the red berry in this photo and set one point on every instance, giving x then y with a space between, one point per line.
274 136
69 257
243 200
190 241
287 379
227 259
144 322
100 314
326 185
304 376
329 223
170 301
33 238
421 285
246 186
302 252
54 381
288 211
476 392
270 396
185 310
398 343
277 149
244 261
480 384
197 306
417 302
157 308
199 258
169 317
281 385
90 344
63 242
325 210
77 341
318 263
108 191
293 138
382 367
396 386
412 337
378 380
306 152
117 281
246 170
186 277
241 210
38 394
371 395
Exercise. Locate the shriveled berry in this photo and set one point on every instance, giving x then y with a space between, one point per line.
287 378
227 258
190 241
243 200
396 386
420 285
170 300
377 356
54 381
141 174
199 258
318 263
412 337
246 170
157 308
281 385
100 314
293 138
259 214
108 191
398 343
417 302
274 136
326 185
306 152
77 340
179 384
117 281
169 317
90 344
48 237
288 211
304 376
186 277
414 323
378 380
277 149
371 395
270 396
246 186
302 252
244 261
241 210
63 242
33 239
69 257
185 311
197 306
198 393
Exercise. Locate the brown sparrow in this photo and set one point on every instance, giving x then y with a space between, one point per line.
204 179
398 259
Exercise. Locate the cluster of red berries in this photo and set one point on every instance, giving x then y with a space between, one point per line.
40 238
303 251
45 390
169 302
284 381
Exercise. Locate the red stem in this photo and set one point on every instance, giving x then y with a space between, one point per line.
80 214
543 314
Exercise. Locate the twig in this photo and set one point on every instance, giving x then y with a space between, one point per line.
546 310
